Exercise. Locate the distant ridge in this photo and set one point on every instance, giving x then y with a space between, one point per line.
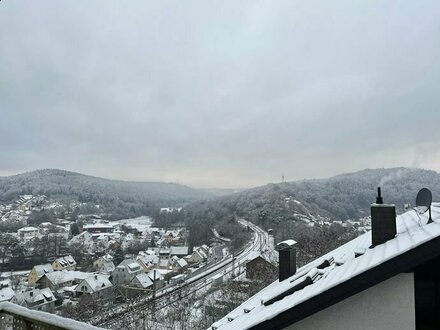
342 197
142 198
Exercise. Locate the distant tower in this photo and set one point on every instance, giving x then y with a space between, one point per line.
282 178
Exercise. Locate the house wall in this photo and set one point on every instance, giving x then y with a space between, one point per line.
388 305
33 277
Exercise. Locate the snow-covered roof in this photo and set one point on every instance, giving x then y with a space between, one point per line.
107 266
45 318
43 269
179 250
148 259
155 275
66 261
133 267
96 282
35 297
97 226
6 294
412 231
65 276
27 229
143 279
182 262
286 244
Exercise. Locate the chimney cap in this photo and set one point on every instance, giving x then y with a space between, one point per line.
286 245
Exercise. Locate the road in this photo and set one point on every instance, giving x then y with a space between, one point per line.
227 266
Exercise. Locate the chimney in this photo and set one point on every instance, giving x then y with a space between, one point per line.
379 199
287 259
383 221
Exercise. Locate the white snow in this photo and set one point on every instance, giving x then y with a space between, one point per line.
286 243
45 318
411 232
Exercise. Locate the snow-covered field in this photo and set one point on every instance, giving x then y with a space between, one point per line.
142 223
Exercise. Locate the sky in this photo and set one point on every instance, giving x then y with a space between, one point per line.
229 94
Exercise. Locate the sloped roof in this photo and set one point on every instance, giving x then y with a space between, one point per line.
97 282
416 241
143 279
179 250
158 276
6 294
36 296
182 262
43 269
107 266
64 276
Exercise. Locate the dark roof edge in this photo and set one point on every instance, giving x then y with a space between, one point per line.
402 263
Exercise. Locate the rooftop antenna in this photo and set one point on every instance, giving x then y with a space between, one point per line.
423 202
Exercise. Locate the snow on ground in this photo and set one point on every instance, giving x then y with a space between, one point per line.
142 223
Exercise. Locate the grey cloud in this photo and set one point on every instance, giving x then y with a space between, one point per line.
218 94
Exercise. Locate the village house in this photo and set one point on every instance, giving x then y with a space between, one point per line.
107 268
147 262
199 255
142 281
258 267
37 272
125 272
6 294
96 285
98 228
64 263
28 232
179 265
179 251
42 300
157 278
60 279
98 263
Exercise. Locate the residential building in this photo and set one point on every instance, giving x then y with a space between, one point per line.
37 272
147 262
157 278
97 264
64 263
97 228
142 281
125 272
28 232
179 251
42 300
60 279
387 278
258 267
96 285
107 268
6 294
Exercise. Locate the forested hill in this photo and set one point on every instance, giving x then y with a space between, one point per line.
140 197
346 196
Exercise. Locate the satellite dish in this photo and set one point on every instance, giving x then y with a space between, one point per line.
423 202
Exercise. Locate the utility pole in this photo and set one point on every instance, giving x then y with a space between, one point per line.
154 295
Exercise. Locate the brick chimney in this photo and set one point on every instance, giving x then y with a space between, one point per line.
383 221
287 259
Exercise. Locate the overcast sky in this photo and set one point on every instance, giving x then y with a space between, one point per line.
219 93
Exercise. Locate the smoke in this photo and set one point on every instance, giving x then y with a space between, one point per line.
393 176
